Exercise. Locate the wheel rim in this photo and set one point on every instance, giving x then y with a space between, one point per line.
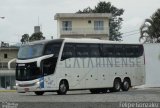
63 87
117 85
126 85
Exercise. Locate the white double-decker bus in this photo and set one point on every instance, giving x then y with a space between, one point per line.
79 64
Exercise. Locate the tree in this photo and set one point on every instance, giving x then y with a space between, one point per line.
114 23
25 38
36 36
86 10
150 29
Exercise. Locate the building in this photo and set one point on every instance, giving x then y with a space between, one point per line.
74 25
37 29
7 76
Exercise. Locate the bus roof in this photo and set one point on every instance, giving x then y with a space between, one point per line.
43 41
78 40
88 40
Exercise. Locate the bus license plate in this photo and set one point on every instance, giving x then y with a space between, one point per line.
26 89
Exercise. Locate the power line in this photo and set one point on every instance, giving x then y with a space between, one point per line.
131 31
131 34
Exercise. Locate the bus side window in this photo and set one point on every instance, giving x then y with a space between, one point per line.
129 51
108 50
141 50
119 51
48 50
68 51
136 50
132 51
82 50
53 49
94 50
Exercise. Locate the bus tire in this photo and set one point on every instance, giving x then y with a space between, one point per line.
125 85
116 85
63 87
39 93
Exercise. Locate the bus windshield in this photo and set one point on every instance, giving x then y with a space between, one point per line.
30 51
27 72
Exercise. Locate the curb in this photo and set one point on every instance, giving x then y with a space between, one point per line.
7 90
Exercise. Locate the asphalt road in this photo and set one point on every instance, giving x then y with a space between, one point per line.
133 95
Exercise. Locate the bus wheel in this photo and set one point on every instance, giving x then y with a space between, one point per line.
39 93
116 85
63 87
125 85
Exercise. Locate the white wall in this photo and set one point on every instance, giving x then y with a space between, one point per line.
152 59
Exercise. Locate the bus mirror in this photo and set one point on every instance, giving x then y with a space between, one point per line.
42 58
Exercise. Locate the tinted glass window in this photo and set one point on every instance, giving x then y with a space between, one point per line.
27 72
30 51
94 50
134 50
129 51
82 50
119 51
49 66
141 50
108 50
53 49
68 51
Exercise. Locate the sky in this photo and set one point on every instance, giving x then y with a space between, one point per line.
22 15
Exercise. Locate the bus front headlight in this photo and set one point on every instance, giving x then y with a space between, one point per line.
17 84
38 83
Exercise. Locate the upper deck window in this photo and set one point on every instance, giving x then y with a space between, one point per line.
53 48
30 51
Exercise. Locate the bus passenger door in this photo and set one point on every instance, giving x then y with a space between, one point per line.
48 67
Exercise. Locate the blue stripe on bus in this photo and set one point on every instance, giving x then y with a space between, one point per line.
41 80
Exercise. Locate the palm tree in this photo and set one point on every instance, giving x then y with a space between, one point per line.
150 29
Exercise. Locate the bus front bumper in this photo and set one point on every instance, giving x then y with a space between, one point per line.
23 87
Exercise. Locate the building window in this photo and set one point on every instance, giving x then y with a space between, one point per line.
67 25
5 56
98 25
